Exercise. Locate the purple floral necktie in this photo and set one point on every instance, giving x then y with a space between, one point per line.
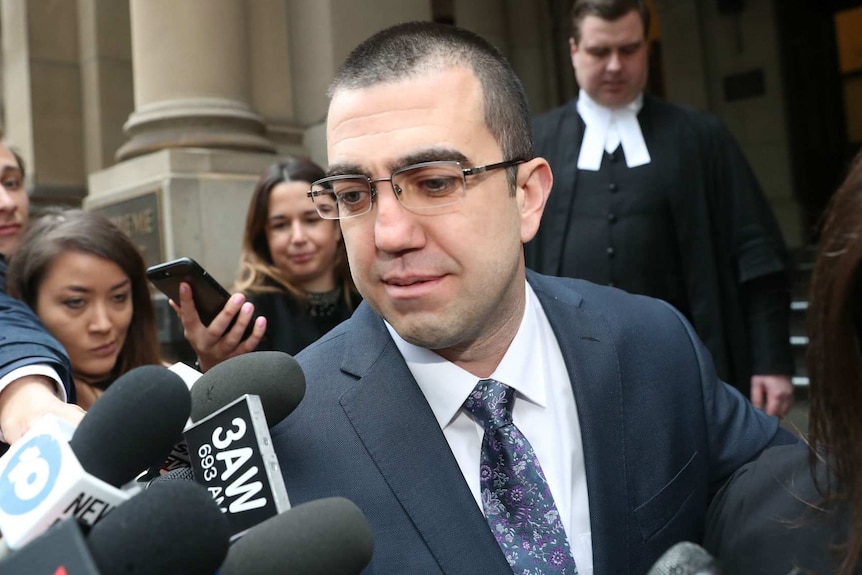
515 495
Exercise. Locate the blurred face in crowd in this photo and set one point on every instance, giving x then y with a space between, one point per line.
610 59
452 279
14 203
302 244
85 301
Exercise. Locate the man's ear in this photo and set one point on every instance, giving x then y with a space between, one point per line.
573 49
534 185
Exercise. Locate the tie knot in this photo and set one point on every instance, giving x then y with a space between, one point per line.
491 403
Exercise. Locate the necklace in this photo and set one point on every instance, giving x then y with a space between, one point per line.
323 304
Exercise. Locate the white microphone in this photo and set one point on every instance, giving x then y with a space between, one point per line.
44 478
42 482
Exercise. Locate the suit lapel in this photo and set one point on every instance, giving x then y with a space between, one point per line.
594 372
397 427
564 163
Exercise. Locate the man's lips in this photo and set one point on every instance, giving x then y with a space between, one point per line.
406 281
412 287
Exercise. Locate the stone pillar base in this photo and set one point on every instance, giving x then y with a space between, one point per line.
194 123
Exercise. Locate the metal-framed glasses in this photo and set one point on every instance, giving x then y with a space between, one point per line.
419 187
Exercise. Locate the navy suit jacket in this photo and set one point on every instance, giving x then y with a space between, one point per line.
660 435
25 341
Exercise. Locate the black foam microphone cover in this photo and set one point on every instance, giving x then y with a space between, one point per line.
274 376
172 527
178 474
133 424
321 537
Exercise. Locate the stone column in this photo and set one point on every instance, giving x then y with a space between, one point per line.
191 77
42 97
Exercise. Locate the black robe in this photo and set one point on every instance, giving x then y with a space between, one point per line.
730 248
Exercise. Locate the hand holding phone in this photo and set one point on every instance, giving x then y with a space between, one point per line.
212 343
209 296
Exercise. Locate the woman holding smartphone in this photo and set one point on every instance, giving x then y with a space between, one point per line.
293 272
85 280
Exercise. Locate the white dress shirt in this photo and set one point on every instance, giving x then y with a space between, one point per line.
607 128
544 410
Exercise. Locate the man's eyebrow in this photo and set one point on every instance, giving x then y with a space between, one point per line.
431 155
342 169
428 155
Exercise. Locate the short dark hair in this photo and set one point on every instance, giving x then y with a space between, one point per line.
258 272
606 10
59 231
413 48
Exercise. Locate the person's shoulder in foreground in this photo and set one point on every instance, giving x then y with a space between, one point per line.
771 518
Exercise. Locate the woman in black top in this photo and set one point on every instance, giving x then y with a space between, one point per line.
293 266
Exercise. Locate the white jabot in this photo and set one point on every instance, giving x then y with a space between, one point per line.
607 128
544 411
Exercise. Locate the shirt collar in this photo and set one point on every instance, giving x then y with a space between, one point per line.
446 386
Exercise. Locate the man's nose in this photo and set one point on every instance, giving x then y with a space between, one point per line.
396 228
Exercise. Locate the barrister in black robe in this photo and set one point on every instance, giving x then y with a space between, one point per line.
691 226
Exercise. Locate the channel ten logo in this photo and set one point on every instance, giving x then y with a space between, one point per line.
41 483
30 475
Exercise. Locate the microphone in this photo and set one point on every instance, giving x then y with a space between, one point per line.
686 558
273 376
169 528
139 538
46 477
320 537
231 453
133 424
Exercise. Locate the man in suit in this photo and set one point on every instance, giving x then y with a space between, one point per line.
658 200
35 374
432 175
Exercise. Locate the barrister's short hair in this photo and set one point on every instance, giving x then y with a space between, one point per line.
407 50
606 10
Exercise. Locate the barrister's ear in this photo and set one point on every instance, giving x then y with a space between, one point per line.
534 185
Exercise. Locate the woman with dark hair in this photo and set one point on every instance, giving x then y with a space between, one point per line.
85 280
800 507
293 268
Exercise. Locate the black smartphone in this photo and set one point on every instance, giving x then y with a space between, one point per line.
209 296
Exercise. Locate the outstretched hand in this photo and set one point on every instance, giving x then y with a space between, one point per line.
215 343
28 398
